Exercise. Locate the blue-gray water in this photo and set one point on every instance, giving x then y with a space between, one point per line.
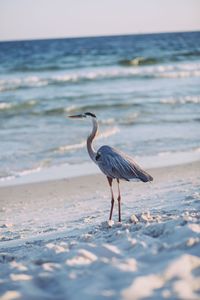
145 90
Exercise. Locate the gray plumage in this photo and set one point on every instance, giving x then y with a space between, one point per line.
116 164
113 163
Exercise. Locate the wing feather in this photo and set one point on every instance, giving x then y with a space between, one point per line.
116 164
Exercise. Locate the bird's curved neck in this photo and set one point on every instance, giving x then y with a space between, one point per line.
90 139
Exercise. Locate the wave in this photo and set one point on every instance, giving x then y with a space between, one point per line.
124 104
143 61
179 74
88 107
135 61
97 106
22 83
190 54
137 118
160 159
16 107
181 100
73 147
155 72
28 107
38 68
5 106
139 61
17 174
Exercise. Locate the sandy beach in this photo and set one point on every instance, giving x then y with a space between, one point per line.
74 83
55 242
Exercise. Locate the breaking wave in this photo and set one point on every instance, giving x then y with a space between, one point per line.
5 106
150 72
16 107
181 100
36 108
144 61
105 134
139 61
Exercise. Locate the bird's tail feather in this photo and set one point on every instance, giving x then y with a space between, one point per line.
144 176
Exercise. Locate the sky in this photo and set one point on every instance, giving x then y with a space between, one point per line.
36 19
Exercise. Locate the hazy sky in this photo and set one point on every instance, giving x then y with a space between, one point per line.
28 19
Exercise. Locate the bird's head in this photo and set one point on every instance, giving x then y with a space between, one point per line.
84 115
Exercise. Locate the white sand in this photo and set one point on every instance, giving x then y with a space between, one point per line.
55 243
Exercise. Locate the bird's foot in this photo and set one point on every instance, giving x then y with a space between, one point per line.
107 224
119 223
110 223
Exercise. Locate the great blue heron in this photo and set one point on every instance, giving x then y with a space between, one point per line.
113 163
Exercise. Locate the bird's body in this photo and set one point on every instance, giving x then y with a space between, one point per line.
118 165
113 163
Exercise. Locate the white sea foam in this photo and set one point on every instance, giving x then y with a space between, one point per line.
108 132
35 81
67 148
181 100
179 74
29 171
109 121
158 71
4 105
21 82
71 108
22 173
73 147
19 105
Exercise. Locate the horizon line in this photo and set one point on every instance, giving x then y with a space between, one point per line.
97 36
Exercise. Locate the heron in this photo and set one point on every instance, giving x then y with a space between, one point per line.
113 163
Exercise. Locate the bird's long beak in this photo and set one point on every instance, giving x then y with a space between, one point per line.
77 116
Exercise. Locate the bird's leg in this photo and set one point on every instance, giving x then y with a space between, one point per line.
119 201
110 180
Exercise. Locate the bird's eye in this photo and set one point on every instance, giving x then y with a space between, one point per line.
97 156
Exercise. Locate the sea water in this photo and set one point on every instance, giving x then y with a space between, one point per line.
144 89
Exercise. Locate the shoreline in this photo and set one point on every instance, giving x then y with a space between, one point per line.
66 171
91 183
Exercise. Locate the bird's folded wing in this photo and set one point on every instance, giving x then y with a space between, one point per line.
116 164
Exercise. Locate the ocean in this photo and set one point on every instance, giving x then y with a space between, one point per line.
144 89
55 240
